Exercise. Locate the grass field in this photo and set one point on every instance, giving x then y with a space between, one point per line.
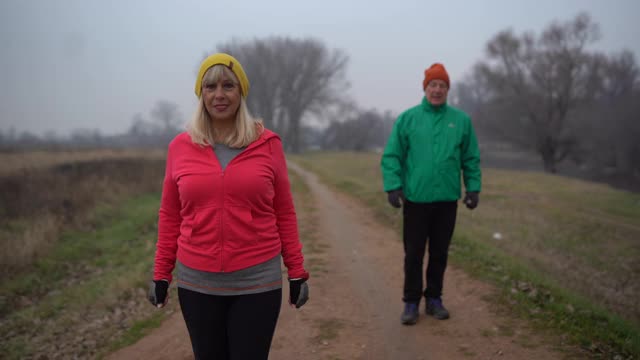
44 194
566 255
78 230
22 161
89 291
86 295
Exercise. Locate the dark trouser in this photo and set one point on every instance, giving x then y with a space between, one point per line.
423 223
230 327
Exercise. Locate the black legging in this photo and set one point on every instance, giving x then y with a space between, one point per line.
230 327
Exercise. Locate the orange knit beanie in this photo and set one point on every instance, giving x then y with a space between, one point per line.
435 71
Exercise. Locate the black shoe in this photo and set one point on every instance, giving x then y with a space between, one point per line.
434 307
410 314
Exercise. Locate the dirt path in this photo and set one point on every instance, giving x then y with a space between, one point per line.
356 302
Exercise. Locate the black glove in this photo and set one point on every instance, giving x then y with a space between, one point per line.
158 292
394 197
471 199
298 292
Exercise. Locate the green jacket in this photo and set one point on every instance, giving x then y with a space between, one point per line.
427 149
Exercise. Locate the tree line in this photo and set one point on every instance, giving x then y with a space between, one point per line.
548 93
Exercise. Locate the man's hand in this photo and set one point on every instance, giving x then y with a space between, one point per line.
158 293
471 199
395 198
298 292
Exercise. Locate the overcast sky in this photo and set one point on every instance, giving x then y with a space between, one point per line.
70 64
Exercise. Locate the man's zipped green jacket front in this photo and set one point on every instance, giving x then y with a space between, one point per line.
428 149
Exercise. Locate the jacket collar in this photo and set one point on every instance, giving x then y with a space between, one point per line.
430 108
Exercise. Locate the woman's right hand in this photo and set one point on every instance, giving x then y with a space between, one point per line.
158 293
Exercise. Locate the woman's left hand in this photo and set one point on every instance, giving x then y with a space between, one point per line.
298 292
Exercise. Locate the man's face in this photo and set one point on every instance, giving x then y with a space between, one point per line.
436 92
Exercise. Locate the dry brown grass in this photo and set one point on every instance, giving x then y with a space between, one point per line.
19 162
42 194
25 244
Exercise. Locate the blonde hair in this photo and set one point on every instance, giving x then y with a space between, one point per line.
200 128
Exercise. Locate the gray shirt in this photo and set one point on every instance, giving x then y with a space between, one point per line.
259 278
225 154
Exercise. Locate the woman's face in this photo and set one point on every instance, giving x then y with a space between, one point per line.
222 99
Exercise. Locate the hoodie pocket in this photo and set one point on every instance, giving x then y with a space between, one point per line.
239 229
186 228
206 227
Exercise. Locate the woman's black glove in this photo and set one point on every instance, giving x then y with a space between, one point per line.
158 292
394 197
471 199
298 292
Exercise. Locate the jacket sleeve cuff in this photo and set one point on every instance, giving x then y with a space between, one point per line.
301 274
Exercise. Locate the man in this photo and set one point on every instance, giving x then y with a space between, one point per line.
429 146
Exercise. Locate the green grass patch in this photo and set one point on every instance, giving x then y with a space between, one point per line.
90 289
564 260
137 331
536 297
114 241
313 250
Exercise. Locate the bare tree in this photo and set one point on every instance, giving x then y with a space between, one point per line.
534 84
290 78
612 127
470 95
365 131
139 126
167 114
314 81
261 61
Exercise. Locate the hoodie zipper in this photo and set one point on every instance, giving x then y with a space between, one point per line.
222 173
221 222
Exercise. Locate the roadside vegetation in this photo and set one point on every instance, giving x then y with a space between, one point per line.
562 253
79 288
46 193
78 231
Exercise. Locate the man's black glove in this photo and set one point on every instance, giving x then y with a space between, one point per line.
471 199
298 292
158 292
394 197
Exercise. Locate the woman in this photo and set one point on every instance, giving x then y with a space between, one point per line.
228 218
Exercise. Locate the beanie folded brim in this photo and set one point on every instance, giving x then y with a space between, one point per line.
228 61
435 72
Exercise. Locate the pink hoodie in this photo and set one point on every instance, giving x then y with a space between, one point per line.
226 220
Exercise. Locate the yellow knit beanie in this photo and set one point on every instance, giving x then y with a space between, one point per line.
228 61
